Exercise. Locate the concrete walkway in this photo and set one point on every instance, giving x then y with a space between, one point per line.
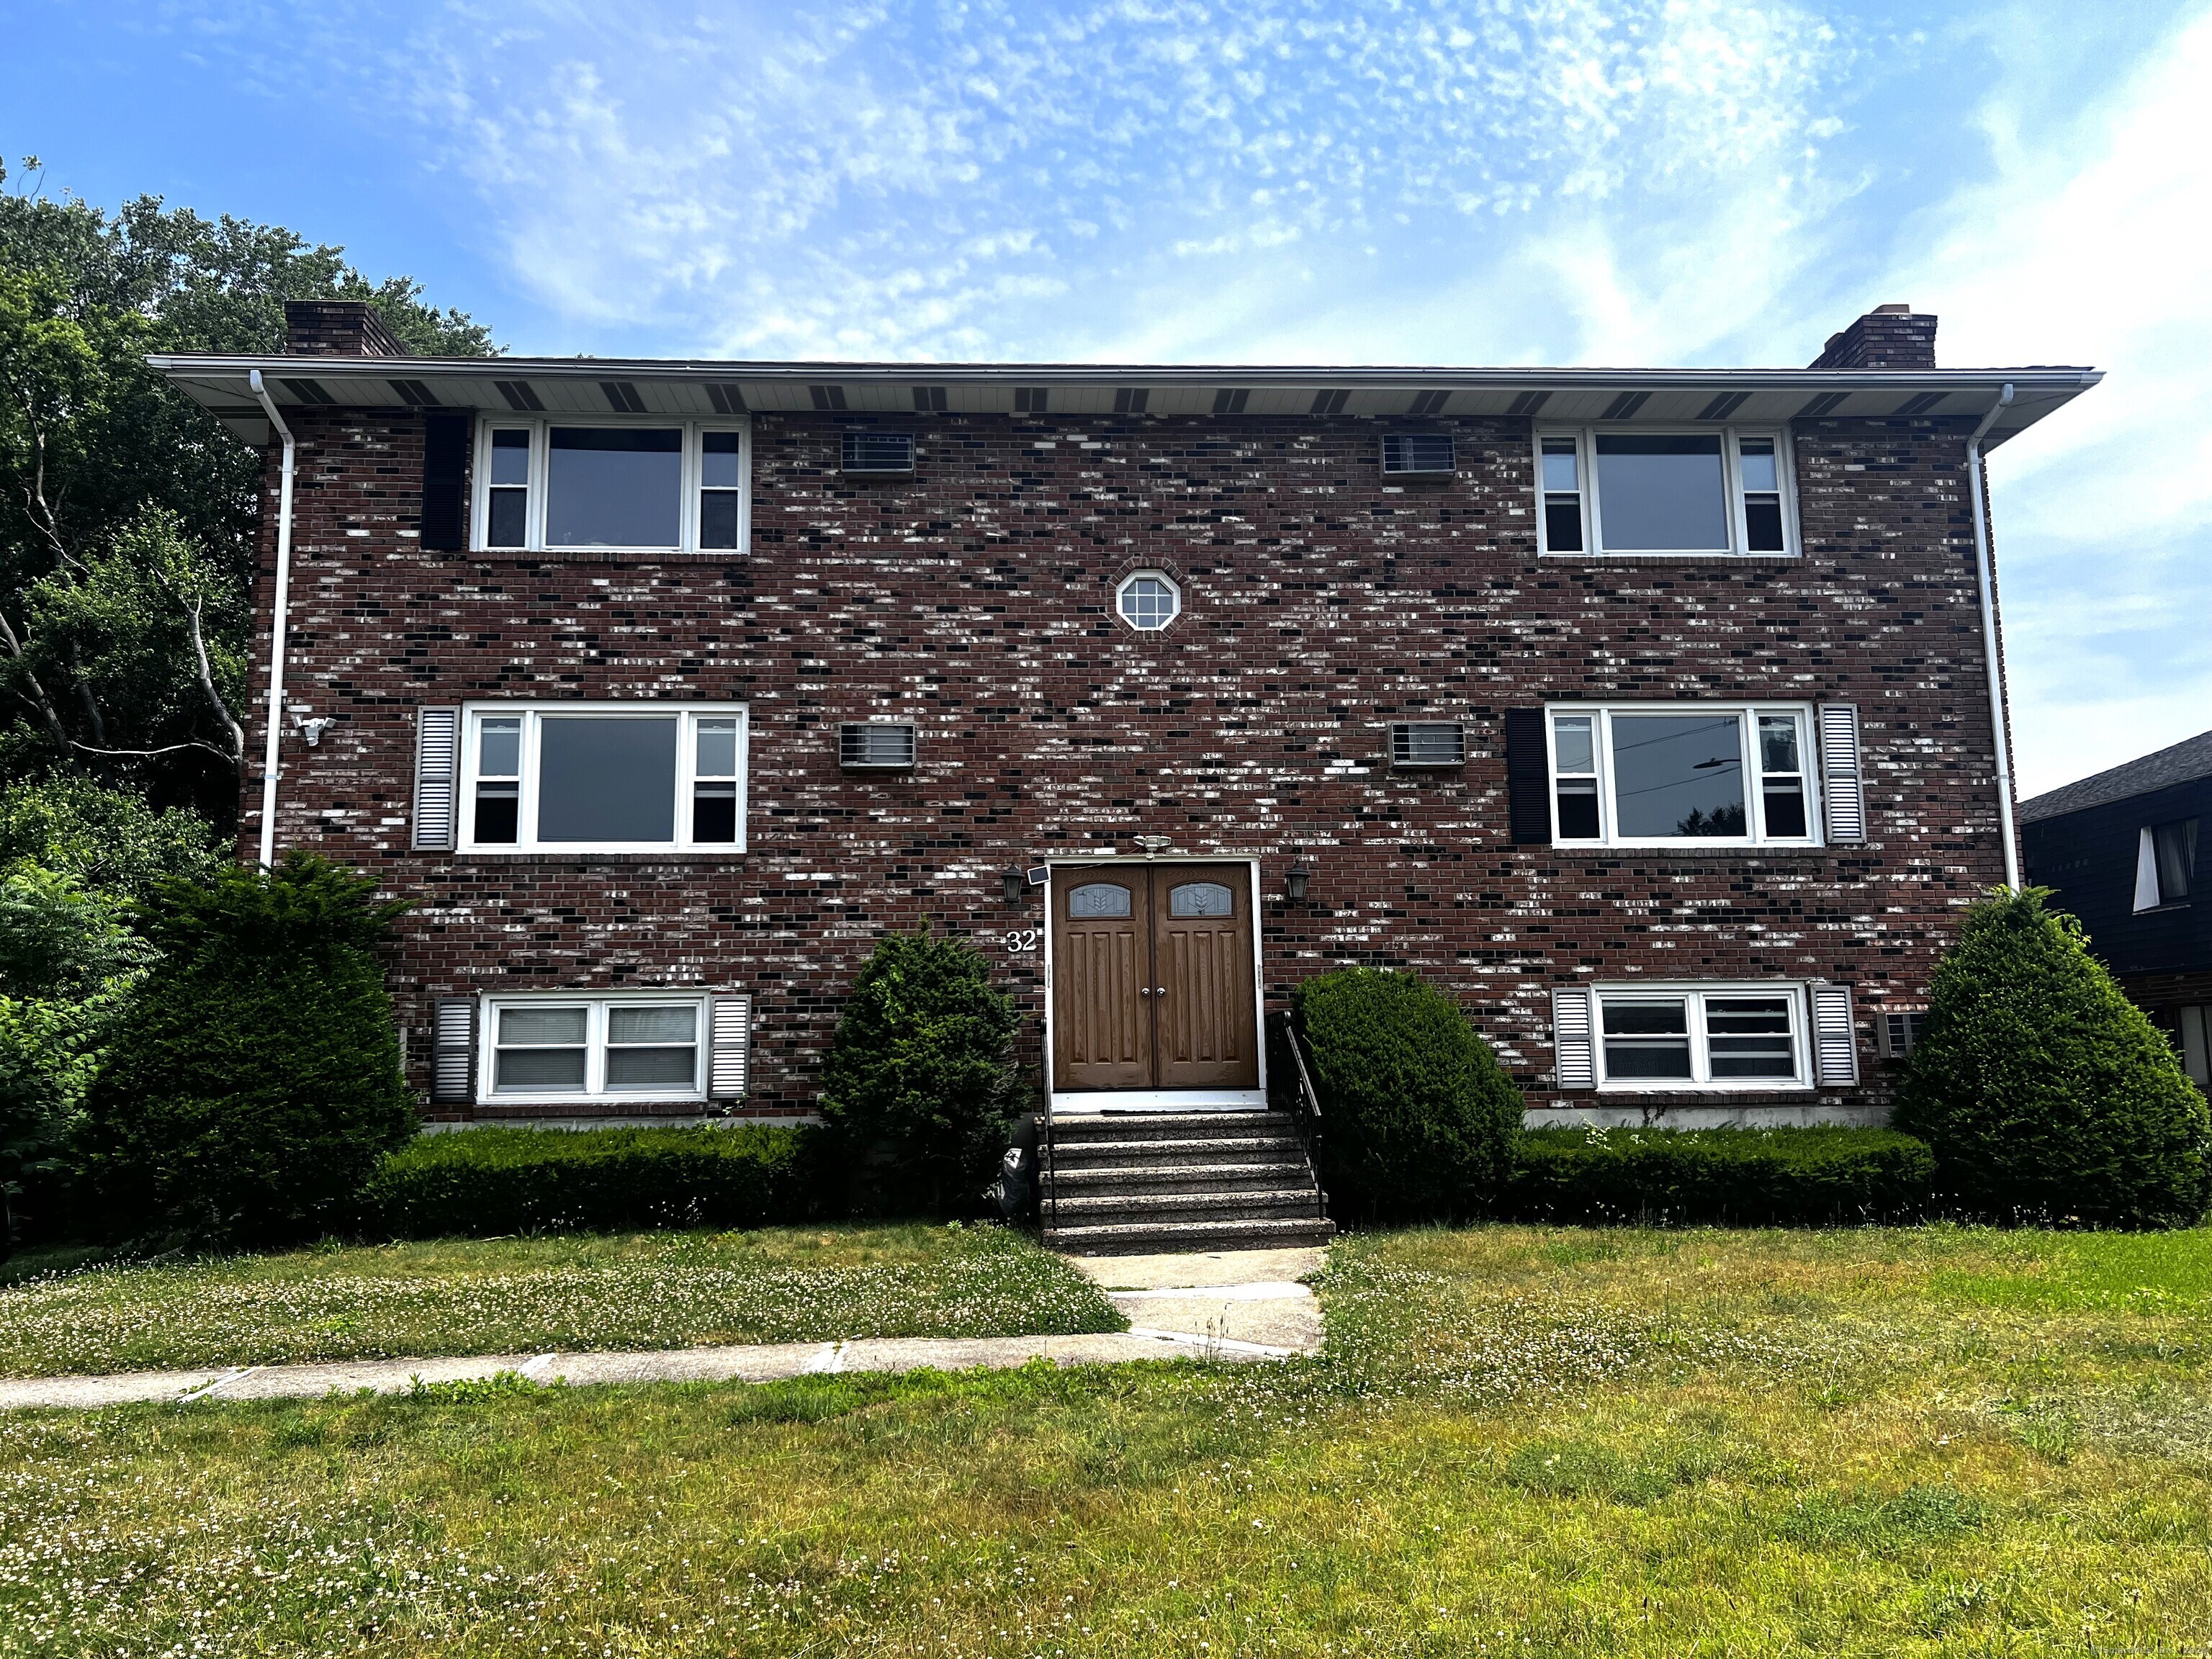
1228 1305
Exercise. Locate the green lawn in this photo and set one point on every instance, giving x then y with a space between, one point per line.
506 1296
1523 1441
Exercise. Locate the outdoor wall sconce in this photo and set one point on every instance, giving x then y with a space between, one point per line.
1295 882
1016 880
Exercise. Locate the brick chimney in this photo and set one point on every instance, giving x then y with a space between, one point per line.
338 328
1888 337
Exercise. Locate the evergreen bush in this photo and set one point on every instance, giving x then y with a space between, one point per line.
919 1081
252 1080
1788 1177
1417 1117
2045 1094
481 1182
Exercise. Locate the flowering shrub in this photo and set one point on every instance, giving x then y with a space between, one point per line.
485 1182
1750 1177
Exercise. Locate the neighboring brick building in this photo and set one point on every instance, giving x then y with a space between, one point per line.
1271 670
2121 847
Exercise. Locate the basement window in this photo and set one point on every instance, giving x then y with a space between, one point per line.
639 485
640 1046
1709 1037
1722 493
574 777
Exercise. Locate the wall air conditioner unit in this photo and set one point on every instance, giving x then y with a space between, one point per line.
1428 743
1418 455
878 452
875 746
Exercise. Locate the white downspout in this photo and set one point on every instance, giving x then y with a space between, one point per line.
1985 572
277 623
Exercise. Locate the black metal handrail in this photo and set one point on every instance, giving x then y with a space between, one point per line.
1305 1110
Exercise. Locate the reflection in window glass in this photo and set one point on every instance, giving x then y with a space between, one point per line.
1782 775
1200 898
1646 1039
720 484
606 778
2173 847
1678 776
614 487
1574 744
1563 496
1098 898
499 778
1148 602
715 782
510 489
1660 493
1762 495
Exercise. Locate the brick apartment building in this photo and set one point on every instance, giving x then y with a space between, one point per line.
1648 711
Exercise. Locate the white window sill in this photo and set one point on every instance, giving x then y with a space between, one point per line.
1718 553
652 1097
621 850
1766 1085
1689 847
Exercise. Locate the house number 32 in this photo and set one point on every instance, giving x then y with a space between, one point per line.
1023 938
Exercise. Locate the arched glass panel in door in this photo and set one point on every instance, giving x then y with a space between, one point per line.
1098 898
1200 898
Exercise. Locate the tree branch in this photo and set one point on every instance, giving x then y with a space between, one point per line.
149 754
207 685
13 643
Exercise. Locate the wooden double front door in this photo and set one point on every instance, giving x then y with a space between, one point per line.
1153 977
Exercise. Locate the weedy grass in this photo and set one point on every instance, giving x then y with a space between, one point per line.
1522 1441
566 1291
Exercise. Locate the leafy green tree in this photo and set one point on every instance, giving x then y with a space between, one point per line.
126 512
108 841
2045 1094
1417 1117
253 1081
919 1065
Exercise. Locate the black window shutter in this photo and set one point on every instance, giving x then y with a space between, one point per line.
445 482
1528 777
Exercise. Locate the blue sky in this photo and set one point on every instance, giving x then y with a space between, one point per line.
1544 181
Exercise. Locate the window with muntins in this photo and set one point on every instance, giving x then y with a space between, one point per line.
604 777
642 485
1722 491
635 1046
1148 601
1654 774
1750 1036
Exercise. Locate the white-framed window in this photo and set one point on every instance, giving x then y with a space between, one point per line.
1702 1037
612 482
623 1045
603 777
1148 600
1718 491
1662 774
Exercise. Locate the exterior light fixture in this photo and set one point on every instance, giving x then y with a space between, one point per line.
1016 880
1295 881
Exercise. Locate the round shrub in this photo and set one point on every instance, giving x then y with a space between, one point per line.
1418 1118
919 1070
2045 1094
252 1080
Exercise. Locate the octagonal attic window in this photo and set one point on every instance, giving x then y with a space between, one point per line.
1148 601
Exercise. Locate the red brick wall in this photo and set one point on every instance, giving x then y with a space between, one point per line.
975 597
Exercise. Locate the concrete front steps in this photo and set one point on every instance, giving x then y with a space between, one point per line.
1148 1183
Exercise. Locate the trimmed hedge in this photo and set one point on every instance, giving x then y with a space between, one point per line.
1746 1177
487 1182
1417 1116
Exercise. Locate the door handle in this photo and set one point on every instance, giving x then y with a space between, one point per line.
1144 990
1159 990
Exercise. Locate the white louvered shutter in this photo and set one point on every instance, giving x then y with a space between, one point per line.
453 1051
1843 792
1835 1037
731 1036
437 777
1574 1053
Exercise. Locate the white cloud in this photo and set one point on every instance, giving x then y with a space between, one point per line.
2090 244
